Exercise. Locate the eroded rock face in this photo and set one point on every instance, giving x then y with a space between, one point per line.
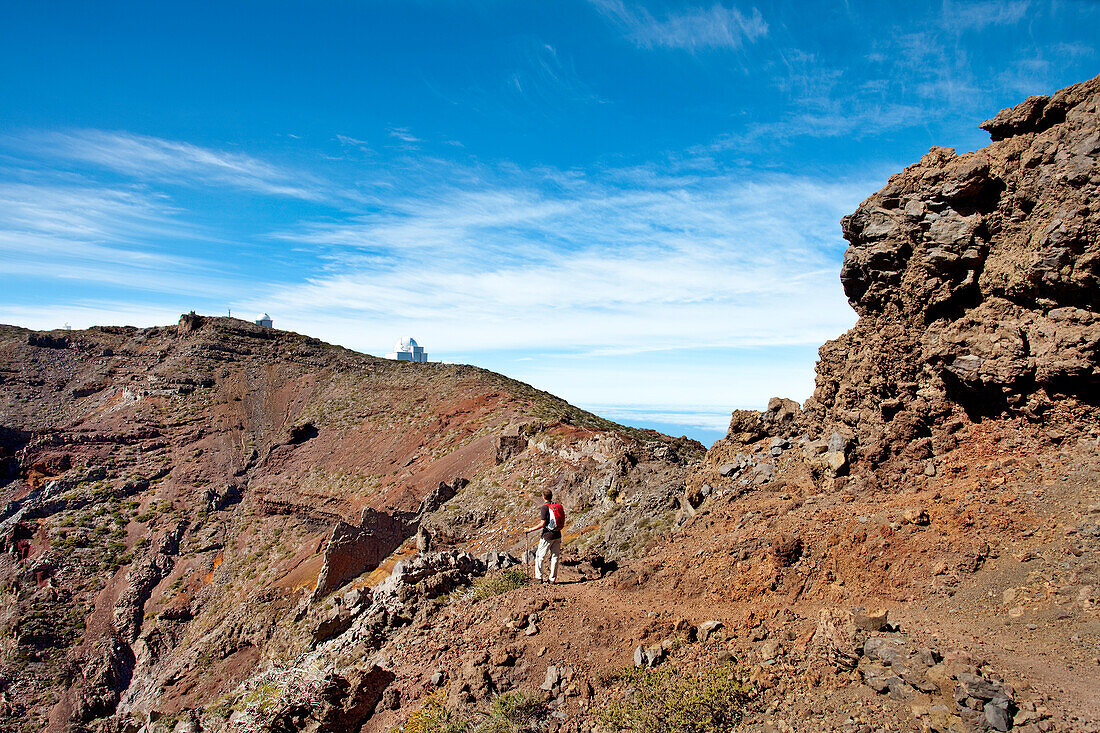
310 693
141 580
353 550
975 278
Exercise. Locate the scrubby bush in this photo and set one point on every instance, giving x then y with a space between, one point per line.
496 583
666 700
433 717
512 712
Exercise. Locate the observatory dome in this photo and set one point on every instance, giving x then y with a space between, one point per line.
408 350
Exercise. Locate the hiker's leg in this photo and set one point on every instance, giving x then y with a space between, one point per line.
539 555
555 551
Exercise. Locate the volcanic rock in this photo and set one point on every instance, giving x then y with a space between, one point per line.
975 281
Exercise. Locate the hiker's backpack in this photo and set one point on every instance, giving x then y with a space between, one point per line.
557 517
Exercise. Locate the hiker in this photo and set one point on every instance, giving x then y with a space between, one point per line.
552 517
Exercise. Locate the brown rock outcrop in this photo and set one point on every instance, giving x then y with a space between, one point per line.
975 278
353 550
142 578
509 444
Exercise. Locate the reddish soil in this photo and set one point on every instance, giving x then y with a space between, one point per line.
1003 515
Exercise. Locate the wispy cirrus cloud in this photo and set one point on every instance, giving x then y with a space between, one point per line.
404 135
583 263
904 80
693 29
977 15
169 161
827 119
84 233
351 142
546 79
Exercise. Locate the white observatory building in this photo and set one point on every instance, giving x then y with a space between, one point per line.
407 350
263 320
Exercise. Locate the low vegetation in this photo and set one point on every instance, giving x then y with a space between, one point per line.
666 700
496 583
512 712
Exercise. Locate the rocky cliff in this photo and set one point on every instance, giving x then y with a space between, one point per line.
976 278
946 466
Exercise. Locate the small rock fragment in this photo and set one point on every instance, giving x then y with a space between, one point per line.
553 677
769 649
916 516
870 620
971 685
707 628
997 712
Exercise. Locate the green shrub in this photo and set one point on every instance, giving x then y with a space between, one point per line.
496 583
433 717
668 701
262 697
222 707
512 712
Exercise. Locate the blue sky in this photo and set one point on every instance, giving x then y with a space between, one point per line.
632 205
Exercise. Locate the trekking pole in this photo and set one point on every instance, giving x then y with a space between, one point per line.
527 553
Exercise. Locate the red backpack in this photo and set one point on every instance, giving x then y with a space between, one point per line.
557 517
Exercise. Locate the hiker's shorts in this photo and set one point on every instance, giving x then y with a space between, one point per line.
554 547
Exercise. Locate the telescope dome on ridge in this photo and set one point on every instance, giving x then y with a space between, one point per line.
407 350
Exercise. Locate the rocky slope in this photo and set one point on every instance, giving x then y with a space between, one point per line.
946 465
175 499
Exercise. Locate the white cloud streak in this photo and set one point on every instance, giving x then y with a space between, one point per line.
348 141
167 161
826 119
91 234
695 29
404 135
973 15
